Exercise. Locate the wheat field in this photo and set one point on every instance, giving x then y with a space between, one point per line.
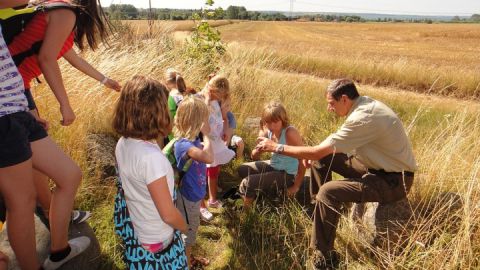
142 26
443 130
439 58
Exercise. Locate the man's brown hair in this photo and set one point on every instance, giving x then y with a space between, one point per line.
141 111
340 87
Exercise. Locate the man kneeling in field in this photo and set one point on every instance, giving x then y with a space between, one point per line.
371 151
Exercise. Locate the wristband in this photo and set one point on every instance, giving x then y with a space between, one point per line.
104 81
279 148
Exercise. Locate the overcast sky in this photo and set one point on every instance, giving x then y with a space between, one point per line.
420 7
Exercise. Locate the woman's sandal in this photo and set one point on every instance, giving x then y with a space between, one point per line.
199 261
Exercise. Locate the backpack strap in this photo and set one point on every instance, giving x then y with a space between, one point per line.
46 6
186 166
7 13
169 151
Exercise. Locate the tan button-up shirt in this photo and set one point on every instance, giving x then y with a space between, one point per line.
374 134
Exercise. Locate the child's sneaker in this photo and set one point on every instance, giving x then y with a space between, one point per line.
80 216
77 245
214 204
205 215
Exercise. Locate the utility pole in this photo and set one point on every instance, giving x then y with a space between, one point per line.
150 18
291 9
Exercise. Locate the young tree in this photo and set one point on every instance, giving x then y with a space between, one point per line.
205 44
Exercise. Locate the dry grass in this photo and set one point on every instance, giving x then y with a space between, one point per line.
444 132
442 58
141 26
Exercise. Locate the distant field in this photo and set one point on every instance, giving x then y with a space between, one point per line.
435 58
411 56
141 26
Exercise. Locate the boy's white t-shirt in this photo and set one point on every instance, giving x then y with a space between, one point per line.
139 164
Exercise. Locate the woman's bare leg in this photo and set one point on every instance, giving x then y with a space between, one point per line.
49 159
44 194
16 185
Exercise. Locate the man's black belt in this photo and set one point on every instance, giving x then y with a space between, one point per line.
406 173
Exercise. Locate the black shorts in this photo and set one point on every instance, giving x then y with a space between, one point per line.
17 131
31 102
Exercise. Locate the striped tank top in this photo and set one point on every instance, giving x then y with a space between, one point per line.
12 97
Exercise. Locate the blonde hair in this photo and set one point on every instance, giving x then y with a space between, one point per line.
273 112
190 116
220 85
141 111
172 76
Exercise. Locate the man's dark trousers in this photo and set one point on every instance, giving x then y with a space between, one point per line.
360 185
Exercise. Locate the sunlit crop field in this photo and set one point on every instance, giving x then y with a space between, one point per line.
443 58
142 26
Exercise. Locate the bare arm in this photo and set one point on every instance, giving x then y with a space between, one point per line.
227 133
81 64
163 201
301 152
60 25
204 155
12 3
293 138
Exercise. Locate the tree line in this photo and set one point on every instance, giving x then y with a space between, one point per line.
130 12
473 18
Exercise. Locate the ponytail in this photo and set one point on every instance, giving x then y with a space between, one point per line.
181 86
172 76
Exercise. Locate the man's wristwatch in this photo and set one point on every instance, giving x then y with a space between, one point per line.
279 148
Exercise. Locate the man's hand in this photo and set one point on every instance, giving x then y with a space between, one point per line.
266 145
68 116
